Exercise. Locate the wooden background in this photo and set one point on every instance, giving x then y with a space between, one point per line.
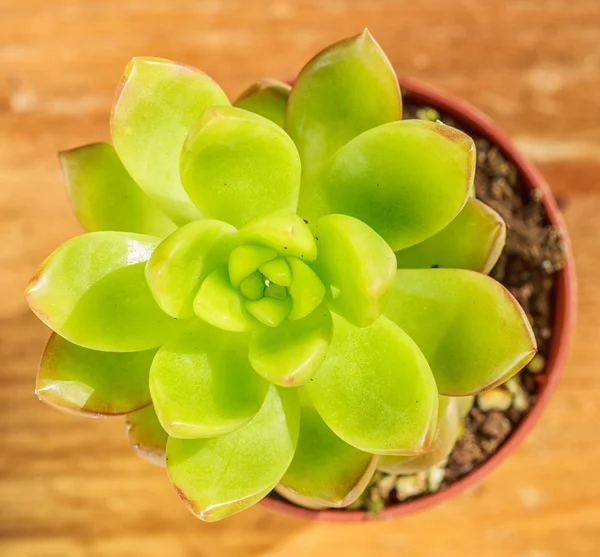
71 487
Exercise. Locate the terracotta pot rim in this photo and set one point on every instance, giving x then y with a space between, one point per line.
563 326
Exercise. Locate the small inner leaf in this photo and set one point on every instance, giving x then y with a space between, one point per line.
157 102
93 383
407 180
375 389
105 197
146 435
221 305
224 475
270 311
276 291
179 265
267 98
306 291
244 260
472 331
277 271
202 383
473 240
290 354
359 266
283 231
236 165
253 286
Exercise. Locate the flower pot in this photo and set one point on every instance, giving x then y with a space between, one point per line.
564 314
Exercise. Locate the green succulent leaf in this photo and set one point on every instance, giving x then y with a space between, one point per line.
269 311
306 291
202 383
290 354
93 383
146 435
105 197
245 260
236 165
325 470
472 331
92 291
357 264
277 271
407 180
446 434
221 305
473 240
253 286
342 92
224 475
157 102
179 265
267 98
376 375
283 231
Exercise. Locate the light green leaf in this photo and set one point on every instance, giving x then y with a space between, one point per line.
290 354
473 240
283 231
253 286
92 291
267 98
306 291
357 264
156 104
244 260
342 92
325 470
221 305
407 180
236 165
105 197
202 383
90 382
375 389
277 271
269 311
224 475
446 434
146 435
179 265
472 331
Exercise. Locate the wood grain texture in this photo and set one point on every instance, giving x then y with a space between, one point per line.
71 487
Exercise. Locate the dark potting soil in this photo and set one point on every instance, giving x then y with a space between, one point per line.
534 252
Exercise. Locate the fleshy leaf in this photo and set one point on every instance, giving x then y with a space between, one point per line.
306 291
105 197
253 286
407 180
244 260
277 271
92 291
357 264
342 92
221 305
325 470
202 383
93 383
270 311
472 331
224 475
376 375
236 165
473 240
276 291
179 265
290 354
157 103
267 98
283 231
146 435
446 434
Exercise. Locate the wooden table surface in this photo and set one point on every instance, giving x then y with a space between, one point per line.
71 487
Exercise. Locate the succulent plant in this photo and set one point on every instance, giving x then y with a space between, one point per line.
284 292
